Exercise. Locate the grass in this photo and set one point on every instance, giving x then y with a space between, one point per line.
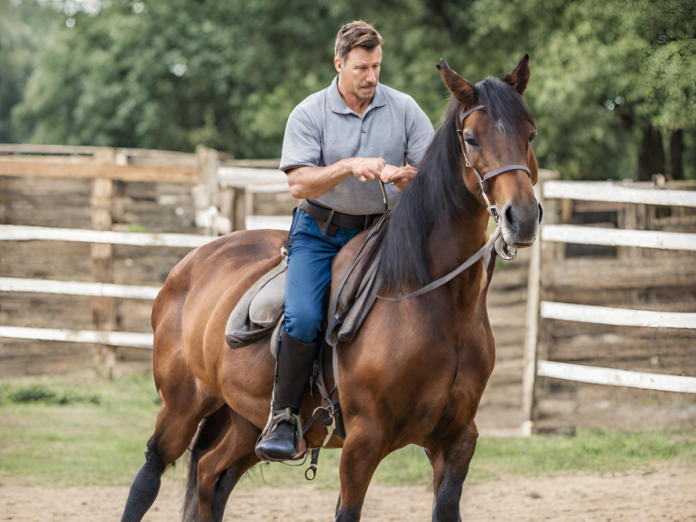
82 430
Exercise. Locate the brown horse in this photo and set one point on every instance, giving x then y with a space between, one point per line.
416 370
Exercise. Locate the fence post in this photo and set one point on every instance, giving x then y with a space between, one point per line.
103 308
531 330
205 193
531 338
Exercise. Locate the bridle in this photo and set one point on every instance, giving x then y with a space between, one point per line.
496 243
492 209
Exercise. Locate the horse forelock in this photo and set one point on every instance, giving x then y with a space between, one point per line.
504 105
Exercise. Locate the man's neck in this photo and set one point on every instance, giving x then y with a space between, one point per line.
354 103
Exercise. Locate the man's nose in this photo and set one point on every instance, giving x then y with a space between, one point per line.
372 76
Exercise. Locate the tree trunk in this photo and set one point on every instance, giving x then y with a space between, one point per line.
676 148
652 157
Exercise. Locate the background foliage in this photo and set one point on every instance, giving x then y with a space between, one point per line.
613 86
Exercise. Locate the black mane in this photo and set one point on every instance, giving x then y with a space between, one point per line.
438 195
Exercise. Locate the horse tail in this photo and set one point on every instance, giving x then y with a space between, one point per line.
189 510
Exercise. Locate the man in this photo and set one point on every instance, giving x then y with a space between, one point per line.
341 146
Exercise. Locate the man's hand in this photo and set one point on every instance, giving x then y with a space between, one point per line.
400 176
366 169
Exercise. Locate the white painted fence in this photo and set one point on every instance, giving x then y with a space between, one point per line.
253 180
638 193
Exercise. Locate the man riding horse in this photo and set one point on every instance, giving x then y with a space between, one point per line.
347 152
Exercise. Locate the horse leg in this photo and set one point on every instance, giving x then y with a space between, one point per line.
363 450
450 459
183 408
220 469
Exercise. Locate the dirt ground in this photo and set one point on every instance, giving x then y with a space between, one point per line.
667 494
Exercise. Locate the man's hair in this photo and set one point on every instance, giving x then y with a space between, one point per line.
356 34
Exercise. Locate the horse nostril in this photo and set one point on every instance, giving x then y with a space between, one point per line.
541 212
509 217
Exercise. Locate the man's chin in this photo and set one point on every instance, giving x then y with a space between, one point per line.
365 94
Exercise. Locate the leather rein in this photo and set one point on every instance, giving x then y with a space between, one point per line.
504 250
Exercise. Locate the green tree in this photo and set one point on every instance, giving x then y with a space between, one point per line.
609 77
25 27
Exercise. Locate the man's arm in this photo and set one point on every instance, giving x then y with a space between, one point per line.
312 182
419 134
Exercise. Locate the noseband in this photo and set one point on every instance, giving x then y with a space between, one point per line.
496 243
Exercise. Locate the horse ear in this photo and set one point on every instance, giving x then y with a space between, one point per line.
532 164
519 76
458 86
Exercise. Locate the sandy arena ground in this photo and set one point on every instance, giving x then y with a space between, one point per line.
667 494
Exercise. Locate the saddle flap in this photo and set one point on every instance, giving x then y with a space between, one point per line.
242 326
267 306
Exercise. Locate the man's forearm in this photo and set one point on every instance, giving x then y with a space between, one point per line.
312 182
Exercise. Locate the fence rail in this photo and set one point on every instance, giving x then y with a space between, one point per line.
612 377
28 233
48 286
644 193
130 339
617 237
616 316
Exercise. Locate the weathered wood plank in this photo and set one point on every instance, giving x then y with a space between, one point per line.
47 286
24 233
594 274
136 340
38 169
612 377
616 316
614 237
620 193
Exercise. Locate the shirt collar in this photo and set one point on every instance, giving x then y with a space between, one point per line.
339 106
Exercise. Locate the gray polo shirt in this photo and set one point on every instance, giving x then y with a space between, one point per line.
323 130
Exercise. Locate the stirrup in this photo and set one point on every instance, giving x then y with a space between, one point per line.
285 415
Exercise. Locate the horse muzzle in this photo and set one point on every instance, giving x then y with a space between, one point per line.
520 225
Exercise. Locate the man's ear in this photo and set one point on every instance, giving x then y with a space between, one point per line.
533 165
458 86
338 64
519 76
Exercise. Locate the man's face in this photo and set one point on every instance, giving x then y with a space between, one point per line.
360 71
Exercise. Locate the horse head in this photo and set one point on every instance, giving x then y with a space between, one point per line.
496 131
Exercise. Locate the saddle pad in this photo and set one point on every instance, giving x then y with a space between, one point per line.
259 310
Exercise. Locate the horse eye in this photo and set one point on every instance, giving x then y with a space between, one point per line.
532 138
471 142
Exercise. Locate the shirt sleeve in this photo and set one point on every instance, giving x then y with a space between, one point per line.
419 134
301 144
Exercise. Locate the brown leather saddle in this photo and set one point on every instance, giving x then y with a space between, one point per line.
260 310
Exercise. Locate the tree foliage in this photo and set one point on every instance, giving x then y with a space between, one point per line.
173 74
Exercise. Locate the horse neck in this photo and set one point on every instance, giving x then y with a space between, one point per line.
455 241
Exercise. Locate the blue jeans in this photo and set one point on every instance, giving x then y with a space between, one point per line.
310 261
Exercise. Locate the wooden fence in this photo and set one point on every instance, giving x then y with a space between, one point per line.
553 234
219 194
222 196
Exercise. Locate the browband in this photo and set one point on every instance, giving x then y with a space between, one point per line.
492 173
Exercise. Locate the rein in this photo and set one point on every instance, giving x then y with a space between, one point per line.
496 242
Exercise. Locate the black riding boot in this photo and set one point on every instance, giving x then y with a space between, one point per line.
294 367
